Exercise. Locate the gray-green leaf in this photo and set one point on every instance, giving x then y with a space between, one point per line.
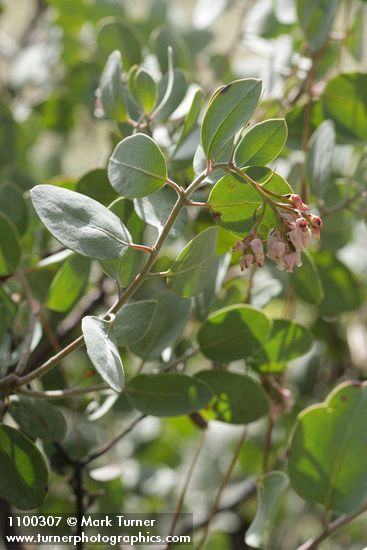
80 223
262 143
137 167
103 351
230 108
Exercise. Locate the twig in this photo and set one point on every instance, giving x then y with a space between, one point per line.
12 382
107 446
223 485
185 487
267 443
332 528
181 359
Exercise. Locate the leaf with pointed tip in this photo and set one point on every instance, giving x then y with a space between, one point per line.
167 394
229 109
190 272
137 167
103 351
237 399
234 332
110 91
38 418
133 321
146 90
262 143
327 438
80 223
23 480
271 489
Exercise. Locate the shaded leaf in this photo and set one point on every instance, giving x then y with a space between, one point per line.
306 281
167 394
344 101
316 18
95 185
167 326
190 272
271 489
287 340
110 91
10 251
38 418
234 332
23 480
14 206
319 157
155 209
237 399
133 321
326 441
341 288
69 283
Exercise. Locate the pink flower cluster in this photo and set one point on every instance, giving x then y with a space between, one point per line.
293 233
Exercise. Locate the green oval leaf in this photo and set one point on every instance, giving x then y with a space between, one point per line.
23 480
133 321
234 332
230 108
110 91
287 340
190 272
69 284
237 399
167 326
137 167
103 351
38 418
262 143
167 394
10 251
234 202
146 90
327 439
80 223
271 489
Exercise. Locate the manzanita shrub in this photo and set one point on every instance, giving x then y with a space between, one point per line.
182 326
